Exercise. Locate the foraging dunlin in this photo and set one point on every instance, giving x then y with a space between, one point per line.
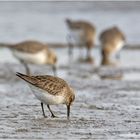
83 34
33 52
50 90
112 40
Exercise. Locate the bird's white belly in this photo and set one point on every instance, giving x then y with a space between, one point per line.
119 45
47 98
35 58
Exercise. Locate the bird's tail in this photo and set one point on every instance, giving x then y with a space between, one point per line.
5 45
27 78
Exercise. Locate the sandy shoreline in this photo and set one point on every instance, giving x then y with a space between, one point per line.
104 108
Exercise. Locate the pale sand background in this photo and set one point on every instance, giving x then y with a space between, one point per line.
45 20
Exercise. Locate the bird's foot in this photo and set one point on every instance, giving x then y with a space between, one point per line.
45 116
53 116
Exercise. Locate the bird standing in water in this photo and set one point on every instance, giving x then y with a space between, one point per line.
112 40
83 33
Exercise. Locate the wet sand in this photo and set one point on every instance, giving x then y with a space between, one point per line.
107 108
107 104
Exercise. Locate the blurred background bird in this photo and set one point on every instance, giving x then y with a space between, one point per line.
112 40
33 52
83 35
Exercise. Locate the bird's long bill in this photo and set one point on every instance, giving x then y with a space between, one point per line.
68 111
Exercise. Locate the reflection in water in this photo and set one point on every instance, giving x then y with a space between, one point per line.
90 60
83 34
109 62
112 76
110 59
110 72
111 67
106 62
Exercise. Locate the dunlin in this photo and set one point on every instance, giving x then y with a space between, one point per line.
112 40
33 52
83 33
50 90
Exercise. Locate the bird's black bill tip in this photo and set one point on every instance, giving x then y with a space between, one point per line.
68 112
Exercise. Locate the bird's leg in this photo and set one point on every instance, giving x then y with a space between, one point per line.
53 116
89 57
43 110
70 47
118 55
68 111
26 67
88 53
80 51
54 70
70 52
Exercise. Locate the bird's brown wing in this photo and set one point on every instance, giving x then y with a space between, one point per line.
51 84
29 46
